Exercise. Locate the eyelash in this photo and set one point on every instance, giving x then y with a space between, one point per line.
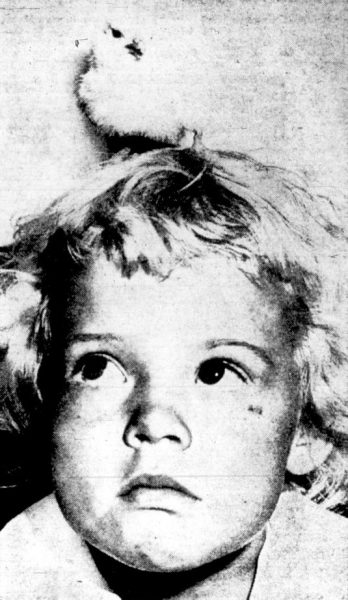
231 366
209 372
238 371
81 363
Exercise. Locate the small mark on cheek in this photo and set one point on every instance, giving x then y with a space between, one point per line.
255 409
134 50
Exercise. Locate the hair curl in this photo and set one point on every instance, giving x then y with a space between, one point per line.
162 208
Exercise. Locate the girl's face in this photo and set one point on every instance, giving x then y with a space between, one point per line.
176 416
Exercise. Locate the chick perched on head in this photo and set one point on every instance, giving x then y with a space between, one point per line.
148 79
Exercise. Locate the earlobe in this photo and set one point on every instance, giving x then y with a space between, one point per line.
309 450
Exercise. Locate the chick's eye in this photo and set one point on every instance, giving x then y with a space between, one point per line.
95 367
212 371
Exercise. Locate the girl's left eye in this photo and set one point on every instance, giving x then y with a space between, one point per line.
214 370
99 368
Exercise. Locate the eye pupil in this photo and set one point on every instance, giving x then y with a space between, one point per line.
94 367
211 371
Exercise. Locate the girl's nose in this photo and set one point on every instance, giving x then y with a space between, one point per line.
154 425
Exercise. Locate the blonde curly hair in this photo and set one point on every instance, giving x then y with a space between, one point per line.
164 207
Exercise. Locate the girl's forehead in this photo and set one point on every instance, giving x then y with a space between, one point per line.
200 278
209 298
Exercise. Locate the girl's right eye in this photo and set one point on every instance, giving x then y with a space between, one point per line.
99 369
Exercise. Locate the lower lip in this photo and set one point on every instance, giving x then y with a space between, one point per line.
167 499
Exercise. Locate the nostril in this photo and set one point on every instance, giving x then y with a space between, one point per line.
172 438
142 437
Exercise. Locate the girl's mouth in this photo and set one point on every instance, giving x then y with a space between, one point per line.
149 482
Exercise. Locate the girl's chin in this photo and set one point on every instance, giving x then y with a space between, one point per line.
159 560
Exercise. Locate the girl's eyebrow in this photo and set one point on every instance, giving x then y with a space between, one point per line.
210 345
94 337
261 352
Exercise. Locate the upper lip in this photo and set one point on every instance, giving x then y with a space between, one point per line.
155 482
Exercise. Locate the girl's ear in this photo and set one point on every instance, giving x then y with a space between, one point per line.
309 450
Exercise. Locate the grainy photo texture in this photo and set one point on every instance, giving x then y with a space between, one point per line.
173 301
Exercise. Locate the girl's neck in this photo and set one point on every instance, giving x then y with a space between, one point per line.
230 577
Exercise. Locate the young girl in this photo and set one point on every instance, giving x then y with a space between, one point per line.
189 366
